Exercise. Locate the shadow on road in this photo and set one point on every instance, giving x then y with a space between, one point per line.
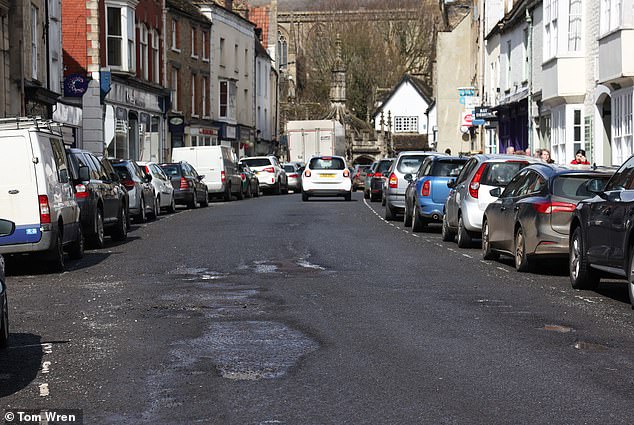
20 362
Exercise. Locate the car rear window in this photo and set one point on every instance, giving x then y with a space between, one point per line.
578 187
500 173
326 163
122 171
447 168
289 168
171 169
383 166
257 162
409 164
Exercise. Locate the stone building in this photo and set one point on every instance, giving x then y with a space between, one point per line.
189 76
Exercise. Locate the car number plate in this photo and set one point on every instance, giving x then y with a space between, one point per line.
328 175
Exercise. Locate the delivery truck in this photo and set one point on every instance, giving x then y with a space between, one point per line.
308 138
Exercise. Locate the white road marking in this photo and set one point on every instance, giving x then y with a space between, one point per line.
450 249
467 255
503 269
44 390
416 236
588 300
46 367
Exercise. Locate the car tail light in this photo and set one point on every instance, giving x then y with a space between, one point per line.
184 183
81 191
147 170
426 189
223 176
546 207
474 186
45 210
269 169
294 175
393 181
307 173
129 184
378 175
346 173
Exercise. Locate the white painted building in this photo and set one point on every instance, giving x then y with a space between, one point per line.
265 91
412 110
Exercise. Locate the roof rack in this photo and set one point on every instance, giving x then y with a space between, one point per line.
18 123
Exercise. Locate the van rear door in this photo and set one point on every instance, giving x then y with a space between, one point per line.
18 189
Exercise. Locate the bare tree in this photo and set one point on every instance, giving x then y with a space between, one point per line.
378 46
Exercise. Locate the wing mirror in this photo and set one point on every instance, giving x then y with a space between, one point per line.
84 173
200 178
496 192
451 183
408 177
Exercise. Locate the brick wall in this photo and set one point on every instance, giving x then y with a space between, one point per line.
75 33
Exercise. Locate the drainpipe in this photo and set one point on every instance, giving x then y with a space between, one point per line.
529 48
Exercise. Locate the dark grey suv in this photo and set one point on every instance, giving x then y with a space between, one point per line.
102 199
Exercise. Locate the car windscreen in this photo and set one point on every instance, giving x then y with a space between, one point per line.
578 187
447 168
171 169
383 166
327 163
499 174
257 162
409 164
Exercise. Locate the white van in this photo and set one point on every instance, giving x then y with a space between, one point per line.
36 193
217 164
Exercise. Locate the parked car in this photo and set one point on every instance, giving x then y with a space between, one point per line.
393 195
162 186
36 193
250 182
326 176
6 228
294 177
531 218
102 199
270 173
601 233
470 193
188 185
427 191
358 176
373 185
141 198
217 164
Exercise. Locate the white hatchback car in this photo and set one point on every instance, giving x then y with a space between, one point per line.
270 173
162 185
326 176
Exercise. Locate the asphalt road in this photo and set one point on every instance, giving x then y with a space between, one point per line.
278 311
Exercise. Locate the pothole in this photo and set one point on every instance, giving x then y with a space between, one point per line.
287 267
253 350
558 328
590 347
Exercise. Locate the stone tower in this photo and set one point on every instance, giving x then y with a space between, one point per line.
338 85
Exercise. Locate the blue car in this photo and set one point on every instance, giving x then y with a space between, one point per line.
427 191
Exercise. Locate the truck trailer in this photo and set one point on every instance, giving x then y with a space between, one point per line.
308 138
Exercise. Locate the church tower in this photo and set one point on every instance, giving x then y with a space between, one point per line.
338 85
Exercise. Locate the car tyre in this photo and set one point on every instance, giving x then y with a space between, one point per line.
366 194
205 202
4 324
76 250
389 214
581 275
56 261
447 234
304 196
172 206
277 188
193 204
241 194
464 238
418 223
383 200
155 207
143 214
407 217
348 196
227 195
522 262
97 240
630 278
249 192
120 233
487 253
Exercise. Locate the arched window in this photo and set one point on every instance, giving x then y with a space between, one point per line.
282 48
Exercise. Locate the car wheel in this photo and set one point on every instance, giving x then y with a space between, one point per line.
153 214
76 250
418 223
581 275
464 238
241 194
56 262
388 213
383 200
227 195
407 217
120 233
143 215
487 253
97 239
205 202
285 189
172 206
193 204
366 194
304 196
249 193
277 188
447 234
522 263
348 196
630 278
4 324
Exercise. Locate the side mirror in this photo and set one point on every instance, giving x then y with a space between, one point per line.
6 227
408 177
84 173
63 176
148 178
451 183
200 178
496 191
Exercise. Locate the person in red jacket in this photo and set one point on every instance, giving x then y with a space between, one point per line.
580 158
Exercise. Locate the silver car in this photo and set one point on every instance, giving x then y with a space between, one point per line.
294 176
395 186
470 193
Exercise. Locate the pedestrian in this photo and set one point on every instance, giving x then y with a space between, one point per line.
580 158
448 151
510 150
538 153
545 156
